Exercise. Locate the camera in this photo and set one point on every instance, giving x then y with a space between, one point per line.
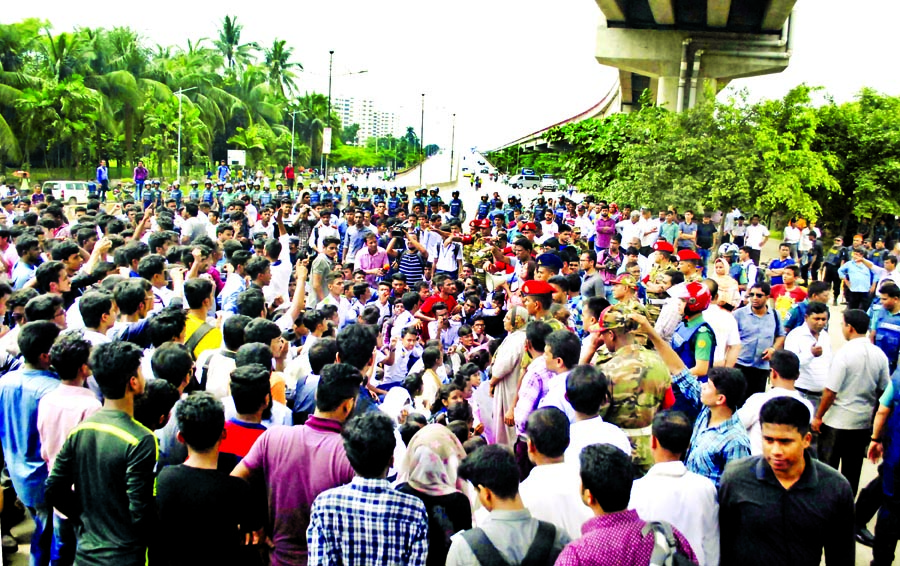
398 233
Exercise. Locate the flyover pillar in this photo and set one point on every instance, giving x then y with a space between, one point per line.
667 93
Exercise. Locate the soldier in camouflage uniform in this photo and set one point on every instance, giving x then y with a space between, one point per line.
639 382
538 298
690 264
477 247
656 286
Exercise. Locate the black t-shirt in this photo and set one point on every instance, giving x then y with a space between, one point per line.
203 515
447 515
705 233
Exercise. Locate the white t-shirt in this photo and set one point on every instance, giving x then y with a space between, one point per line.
755 236
449 256
725 328
749 413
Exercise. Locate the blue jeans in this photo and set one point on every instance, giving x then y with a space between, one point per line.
704 257
42 538
138 187
64 541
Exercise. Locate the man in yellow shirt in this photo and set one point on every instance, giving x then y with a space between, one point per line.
199 334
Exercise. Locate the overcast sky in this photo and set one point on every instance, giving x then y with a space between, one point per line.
505 67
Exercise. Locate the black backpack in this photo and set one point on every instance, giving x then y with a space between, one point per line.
540 553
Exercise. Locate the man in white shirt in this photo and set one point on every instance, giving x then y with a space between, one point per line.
98 311
859 374
756 238
396 366
785 367
671 493
812 344
562 349
587 389
585 222
548 226
323 230
631 227
551 491
725 327
649 232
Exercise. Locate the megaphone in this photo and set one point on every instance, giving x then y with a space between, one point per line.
494 280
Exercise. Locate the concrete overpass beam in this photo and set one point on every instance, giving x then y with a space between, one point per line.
611 10
646 52
776 13
717 13
667 93
663 12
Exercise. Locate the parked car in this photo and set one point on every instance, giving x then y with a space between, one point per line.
525 182
68 192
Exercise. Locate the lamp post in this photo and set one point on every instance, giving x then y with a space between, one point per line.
422 140
180 92
293 119
323 161
452 145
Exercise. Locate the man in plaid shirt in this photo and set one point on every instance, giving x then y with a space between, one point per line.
368 522
718 437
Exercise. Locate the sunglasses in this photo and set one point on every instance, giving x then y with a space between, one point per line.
756 295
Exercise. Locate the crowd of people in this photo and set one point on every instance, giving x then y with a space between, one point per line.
332 375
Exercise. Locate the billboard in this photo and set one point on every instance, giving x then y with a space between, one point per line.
326 141
237 157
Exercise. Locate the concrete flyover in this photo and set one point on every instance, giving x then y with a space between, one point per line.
681 51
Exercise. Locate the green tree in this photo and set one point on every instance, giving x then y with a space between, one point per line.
236 54
281 68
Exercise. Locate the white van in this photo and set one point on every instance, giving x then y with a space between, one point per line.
525 182
69 192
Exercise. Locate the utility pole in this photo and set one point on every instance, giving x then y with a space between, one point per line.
293 119
324 158
180 92
452 145
422 140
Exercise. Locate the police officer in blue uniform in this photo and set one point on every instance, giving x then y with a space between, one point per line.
456 206
484 207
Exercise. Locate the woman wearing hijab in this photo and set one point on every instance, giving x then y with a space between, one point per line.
505 373
729 294
432 458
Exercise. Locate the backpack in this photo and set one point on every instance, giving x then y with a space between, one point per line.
666 551
540 552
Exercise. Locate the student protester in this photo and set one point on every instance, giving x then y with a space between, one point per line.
561 352
197 498
588 389
110 460
785 371
59 412
21 392
298 463
801 505
670 492
616 534
432 457
511 533
550 491
386 523
252 396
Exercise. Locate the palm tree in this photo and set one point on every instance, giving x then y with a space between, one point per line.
229 43
281 67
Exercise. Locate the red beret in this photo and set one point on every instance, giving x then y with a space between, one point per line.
663 246
687 255
529 226
537 287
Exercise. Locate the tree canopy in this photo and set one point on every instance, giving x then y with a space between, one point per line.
69 99
788 156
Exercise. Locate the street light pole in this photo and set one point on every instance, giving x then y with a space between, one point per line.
293 119
452 145
180 92
324 158
422 140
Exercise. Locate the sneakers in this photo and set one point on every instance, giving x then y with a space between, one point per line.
865 537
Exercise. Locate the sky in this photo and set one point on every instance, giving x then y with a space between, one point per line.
506 68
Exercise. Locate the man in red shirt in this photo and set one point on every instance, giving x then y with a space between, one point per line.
289 175
788 293
252 396
446 288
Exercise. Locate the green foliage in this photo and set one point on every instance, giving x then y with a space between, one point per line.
785 155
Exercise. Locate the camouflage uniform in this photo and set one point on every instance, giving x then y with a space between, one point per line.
639 380
696 276
656 278
477 253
